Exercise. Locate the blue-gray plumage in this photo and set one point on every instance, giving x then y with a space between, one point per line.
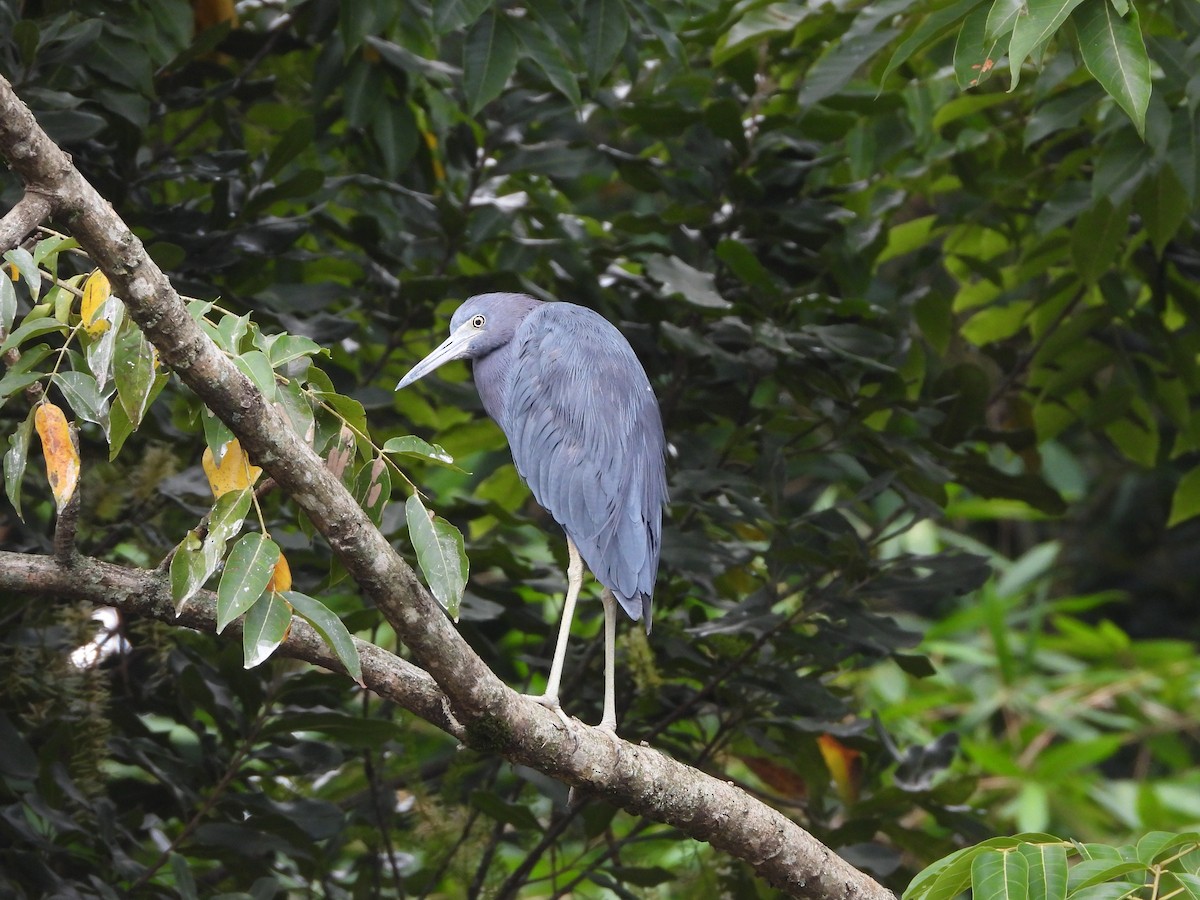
585 432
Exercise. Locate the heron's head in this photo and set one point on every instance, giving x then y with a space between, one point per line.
484 323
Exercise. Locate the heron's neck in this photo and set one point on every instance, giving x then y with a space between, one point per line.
491 381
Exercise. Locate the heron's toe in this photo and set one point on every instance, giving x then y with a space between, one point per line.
550 701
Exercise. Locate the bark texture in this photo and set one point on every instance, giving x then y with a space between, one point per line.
483 712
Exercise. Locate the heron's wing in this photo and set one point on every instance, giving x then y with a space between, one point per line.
586 435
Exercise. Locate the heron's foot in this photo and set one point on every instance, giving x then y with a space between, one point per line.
550 701
609 730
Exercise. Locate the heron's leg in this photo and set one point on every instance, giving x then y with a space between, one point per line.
574 584
609 720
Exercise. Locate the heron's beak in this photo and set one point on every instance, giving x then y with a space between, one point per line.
457 346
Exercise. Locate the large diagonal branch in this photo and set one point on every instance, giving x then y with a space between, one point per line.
494 718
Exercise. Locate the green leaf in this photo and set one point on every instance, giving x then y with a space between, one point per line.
331 628
190 568
281 349
974 53
1185 503
255 366
758 24
267 623
15 460
489 57
1001 18
549 59
293 142
927 31
514 814
228 515
1115 54
999 875
677 277
1041 20
23 260
1047 870
8 302
246 574
440 553
1163 204
410 445
350 731
100 351
1097 237
605 30
451 15
29 330
133 372
216 434
1098 871
83 395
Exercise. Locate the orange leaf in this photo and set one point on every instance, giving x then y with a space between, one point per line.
845 766
281 578
233 474
96 290
58 446
207 13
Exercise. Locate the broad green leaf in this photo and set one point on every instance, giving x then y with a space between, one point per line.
410 445
267 623
255 366
133 372
101 350
440 553
1163 204
331 628
999 875
1115 54
605 30
118 431
83 395
190 568
14 382
758 24
350 731
247 571
974 52
282 349
1098 871
514 814
550 59
229 332
840 62
1187 883
296 408
28 330
15 460
1001 18
1097 237
1042 19
1185 503
489 57
1047 870
217 436
228 515
23 260
932 27
677 277
293 142
8 302
450 15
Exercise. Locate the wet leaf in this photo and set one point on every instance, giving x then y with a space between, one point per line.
15 460
440 553
247 573
60 450
133 371
267 624
281 576
410 445
331 628
96 292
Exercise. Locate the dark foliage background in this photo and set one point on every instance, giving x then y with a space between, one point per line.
907 338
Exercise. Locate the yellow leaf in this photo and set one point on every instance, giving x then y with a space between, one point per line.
96 290
207 13
62 456
844 764
233 474
281 578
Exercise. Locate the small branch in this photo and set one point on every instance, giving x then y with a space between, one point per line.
20 221
145 593
66 526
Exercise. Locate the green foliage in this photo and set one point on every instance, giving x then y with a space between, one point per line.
871 287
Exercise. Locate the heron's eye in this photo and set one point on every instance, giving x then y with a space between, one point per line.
478 321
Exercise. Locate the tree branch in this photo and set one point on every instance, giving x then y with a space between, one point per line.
31 211
494 718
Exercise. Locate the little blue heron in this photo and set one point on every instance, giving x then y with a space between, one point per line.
586 435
